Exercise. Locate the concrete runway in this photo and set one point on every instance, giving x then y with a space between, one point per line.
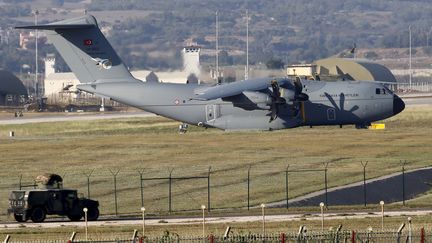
410 101
75 116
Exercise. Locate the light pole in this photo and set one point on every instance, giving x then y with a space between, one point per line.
86 222
382 215
263 218
203 207
322 215
217 47
143 220
247 46
36 55
410 58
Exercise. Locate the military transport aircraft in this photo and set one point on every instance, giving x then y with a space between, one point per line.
254 104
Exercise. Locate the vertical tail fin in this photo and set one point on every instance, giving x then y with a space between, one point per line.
86 50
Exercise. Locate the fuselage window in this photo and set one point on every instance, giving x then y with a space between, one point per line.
377 91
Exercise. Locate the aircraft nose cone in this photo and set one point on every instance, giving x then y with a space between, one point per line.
398 105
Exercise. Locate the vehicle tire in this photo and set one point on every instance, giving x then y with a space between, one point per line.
92 214
74 217
20 217
38 215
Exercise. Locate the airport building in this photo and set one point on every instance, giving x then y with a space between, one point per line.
12 90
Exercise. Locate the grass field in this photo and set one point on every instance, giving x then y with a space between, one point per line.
154 146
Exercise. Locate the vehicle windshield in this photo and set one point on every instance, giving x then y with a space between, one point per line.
17 195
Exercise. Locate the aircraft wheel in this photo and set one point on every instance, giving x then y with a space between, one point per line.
38 215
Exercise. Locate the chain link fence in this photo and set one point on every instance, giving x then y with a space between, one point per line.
420 235
121 191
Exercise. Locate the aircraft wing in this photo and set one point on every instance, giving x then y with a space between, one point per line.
235 88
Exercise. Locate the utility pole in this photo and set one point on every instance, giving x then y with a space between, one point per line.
410 59
36 56
217 47
247 45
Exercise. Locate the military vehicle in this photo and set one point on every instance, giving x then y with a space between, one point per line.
50 199
253 104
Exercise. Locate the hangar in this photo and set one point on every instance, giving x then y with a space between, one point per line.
12 90
330 69
354 69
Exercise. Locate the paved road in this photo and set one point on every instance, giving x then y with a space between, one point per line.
387 188
217 220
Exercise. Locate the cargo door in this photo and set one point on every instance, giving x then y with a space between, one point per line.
212 112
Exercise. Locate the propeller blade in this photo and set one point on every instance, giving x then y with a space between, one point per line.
274 112
276 89
298 85
277 100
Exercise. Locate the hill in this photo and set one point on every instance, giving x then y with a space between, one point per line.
293 31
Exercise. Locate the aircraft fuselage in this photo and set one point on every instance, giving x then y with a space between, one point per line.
330 103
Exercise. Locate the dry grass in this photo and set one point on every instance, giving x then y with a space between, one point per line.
152 144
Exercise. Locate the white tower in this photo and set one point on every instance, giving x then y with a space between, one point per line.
49 64
191 59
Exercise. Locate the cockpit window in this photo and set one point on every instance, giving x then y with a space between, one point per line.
384 90
388 91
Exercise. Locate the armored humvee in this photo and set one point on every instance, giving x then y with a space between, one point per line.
50 198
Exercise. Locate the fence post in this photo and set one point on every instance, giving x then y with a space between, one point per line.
169 190
364 181
72 238
399 232
20 182
134 235
282 237
353 236
211 238
88 175
115 173
422 235
248 188
403 182
208 189
325 183
286 187
141 172
6 240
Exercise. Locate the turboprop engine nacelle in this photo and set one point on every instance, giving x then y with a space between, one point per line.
262 100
